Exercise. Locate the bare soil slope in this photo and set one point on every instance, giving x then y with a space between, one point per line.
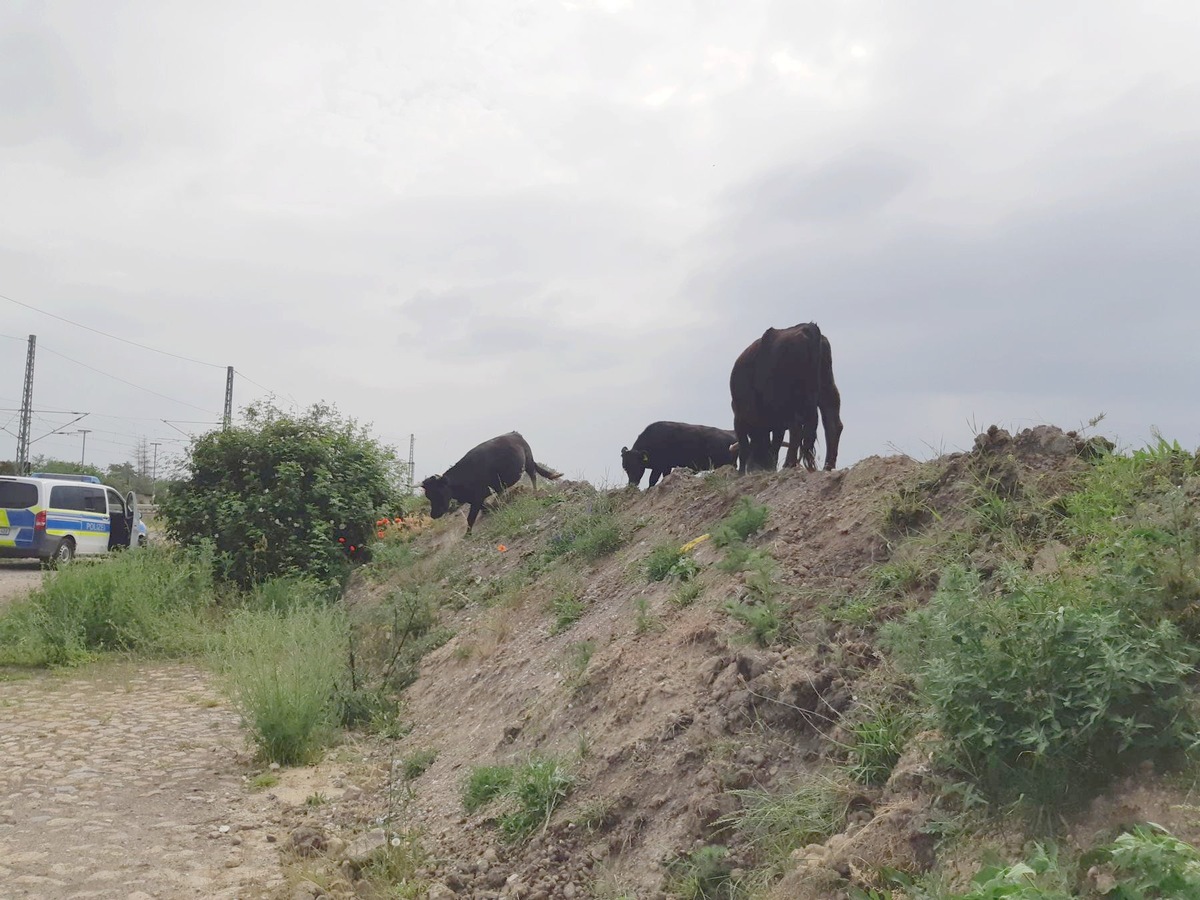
665 709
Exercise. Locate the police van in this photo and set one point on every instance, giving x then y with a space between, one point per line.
55 518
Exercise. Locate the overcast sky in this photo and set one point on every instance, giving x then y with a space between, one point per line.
456 218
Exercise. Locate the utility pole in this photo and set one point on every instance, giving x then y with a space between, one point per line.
228 396
83 452
26 410
411 441
154 471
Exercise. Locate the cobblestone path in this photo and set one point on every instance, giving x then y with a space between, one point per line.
128 782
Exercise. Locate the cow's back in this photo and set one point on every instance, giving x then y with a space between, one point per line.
495 464
671 444
787 369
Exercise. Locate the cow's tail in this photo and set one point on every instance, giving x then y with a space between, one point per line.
547 473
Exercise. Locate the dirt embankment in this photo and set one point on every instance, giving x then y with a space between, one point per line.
665 712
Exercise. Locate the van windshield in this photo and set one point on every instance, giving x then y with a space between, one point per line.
17 495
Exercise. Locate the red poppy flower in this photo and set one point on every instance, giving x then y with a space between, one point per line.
341 540
380 533
501 548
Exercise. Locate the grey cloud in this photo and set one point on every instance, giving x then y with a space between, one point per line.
854 184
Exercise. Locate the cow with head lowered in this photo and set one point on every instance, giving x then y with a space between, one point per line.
487 469
663 446
779 384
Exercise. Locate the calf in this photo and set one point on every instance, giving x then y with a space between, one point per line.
662 446
487 469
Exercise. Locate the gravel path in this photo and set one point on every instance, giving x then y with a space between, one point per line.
17 578
127 781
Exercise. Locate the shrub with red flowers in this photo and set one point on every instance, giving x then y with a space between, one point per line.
285 494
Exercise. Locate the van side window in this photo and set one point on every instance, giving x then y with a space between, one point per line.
93 500
66 497
116 506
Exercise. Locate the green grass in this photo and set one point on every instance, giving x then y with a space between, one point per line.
512 514
394 870
746 519
485 784
566 608
157 601
763 620
589 532
687 593
264 780
879 738
415 764
705 873
576 659
283 671
530 793
775 824
661 561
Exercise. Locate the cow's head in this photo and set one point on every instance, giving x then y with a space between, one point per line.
437 489
634 463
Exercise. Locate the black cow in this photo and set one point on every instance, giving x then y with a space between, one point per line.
487 469
664 445
778 384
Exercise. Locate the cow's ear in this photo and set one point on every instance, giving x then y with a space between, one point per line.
624 450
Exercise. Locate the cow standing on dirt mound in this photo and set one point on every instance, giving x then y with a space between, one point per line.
663 446
778 384
487 469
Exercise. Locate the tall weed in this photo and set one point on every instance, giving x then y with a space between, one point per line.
155 600
283 671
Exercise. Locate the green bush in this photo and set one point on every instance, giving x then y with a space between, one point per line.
1043 685
155 600
1150 863
1038 878
283 671
284 495
747 518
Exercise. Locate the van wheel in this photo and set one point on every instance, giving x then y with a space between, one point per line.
63 553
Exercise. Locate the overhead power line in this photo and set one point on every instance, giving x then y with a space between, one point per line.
115 337
125 381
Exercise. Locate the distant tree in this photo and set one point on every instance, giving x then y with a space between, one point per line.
62 467
284 493
8 467
124 477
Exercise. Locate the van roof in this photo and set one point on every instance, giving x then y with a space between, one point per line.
55 476
53 479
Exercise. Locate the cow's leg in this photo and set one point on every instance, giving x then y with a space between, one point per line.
789 461
808 431
476 508
743 442
831 418
655 475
